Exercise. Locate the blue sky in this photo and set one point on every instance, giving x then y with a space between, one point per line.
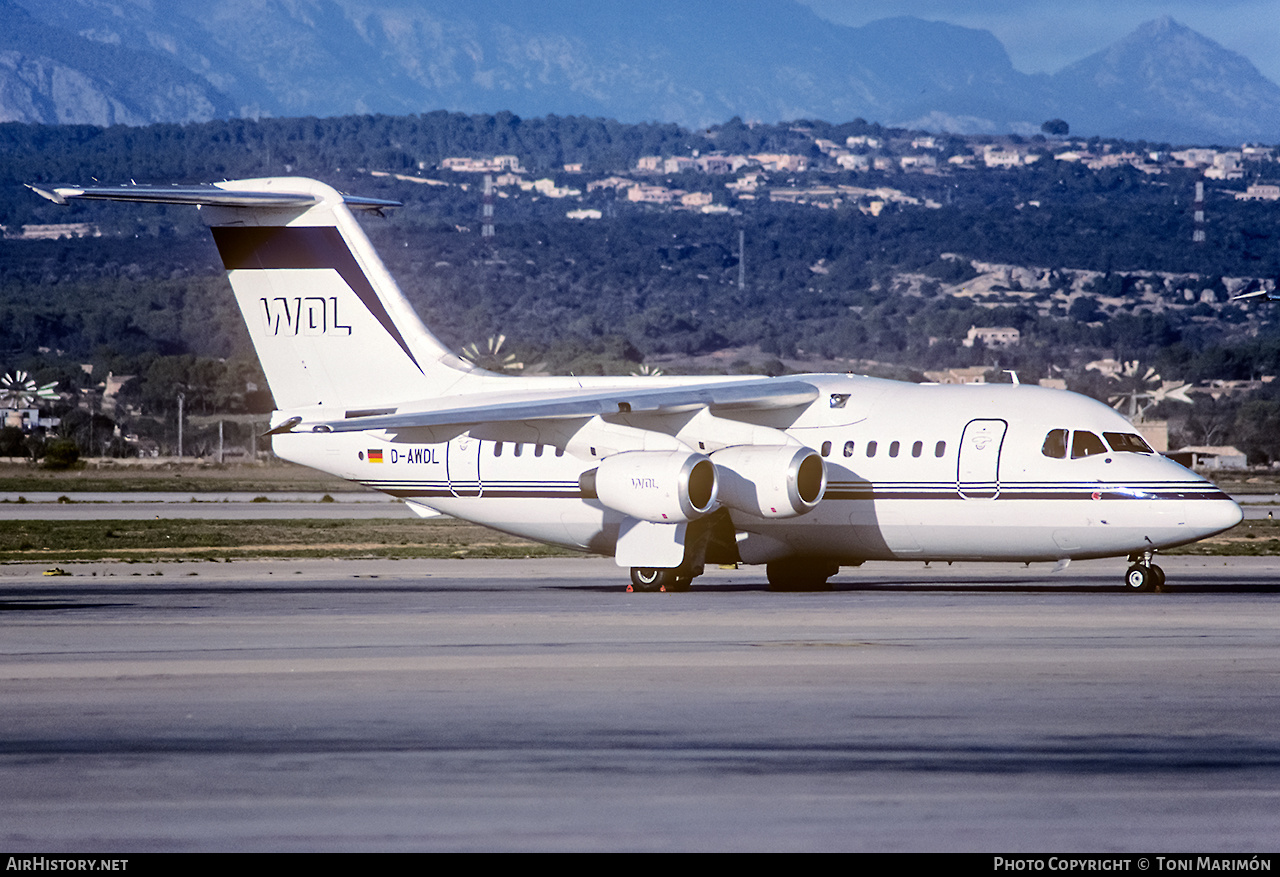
1043 36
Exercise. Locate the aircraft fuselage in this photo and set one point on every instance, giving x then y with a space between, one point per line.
913 472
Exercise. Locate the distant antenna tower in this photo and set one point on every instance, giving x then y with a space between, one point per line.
486 228
742 259
1197 236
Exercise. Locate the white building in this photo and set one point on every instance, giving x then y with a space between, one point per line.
1000 336
909 162
1226 166
650 194
1260 192
696 199
1209 457
497 164
995 157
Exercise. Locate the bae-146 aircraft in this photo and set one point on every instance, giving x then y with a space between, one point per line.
802 473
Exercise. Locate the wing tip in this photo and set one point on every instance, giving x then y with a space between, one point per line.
206 195
49 194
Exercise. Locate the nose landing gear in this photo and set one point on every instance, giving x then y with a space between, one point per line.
1144 575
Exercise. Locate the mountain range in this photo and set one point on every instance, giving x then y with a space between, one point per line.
133 62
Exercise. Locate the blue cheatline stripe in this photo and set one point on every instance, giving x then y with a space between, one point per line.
264 248
405 489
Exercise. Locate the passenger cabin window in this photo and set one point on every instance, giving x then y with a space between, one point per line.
893 448
1055 444
497 449
871 449
517 447
848 449
1127 441
939 449
1085 444
826 449
917 449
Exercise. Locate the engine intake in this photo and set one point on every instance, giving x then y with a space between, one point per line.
771 481
660 486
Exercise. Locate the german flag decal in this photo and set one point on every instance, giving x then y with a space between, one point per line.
375 456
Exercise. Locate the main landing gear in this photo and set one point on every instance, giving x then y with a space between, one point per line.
1144 575
800 574
784 575
645 579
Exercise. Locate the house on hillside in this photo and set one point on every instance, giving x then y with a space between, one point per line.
995 336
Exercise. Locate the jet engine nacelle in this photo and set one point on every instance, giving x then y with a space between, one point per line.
771 481
660 486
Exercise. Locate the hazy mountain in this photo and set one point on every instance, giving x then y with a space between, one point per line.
666 60
1164 81
52 76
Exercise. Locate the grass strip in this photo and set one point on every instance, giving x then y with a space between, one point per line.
193 478
154 540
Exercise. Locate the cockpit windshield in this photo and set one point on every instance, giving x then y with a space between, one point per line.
1127 441
1055 444
1085 444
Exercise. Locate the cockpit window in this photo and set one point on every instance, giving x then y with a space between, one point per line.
1055 444
1127 441
1086 444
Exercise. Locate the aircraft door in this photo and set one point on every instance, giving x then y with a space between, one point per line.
462 462
978 467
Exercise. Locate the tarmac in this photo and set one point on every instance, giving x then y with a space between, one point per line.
535 705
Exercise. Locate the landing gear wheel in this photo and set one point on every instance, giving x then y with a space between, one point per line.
796 576
1159 576
1143 578
646 579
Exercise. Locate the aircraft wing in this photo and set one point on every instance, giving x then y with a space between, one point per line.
720 397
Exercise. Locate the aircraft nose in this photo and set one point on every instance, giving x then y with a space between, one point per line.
1208 517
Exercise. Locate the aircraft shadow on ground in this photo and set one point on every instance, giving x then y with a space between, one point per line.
1100 585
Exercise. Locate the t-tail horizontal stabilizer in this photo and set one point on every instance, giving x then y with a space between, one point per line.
330 326
198 196
1258 295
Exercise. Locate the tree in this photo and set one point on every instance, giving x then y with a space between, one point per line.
61 454
13 443
1085 309
1257 428
1056 128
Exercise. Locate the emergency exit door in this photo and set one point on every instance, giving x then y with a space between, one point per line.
978 469
462 462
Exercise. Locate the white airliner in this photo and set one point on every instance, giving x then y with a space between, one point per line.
803 473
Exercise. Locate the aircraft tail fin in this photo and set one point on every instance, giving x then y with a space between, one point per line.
330 325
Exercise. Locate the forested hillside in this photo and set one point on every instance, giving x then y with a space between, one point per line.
1115 274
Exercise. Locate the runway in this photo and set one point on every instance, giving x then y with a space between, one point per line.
230 506
535 705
